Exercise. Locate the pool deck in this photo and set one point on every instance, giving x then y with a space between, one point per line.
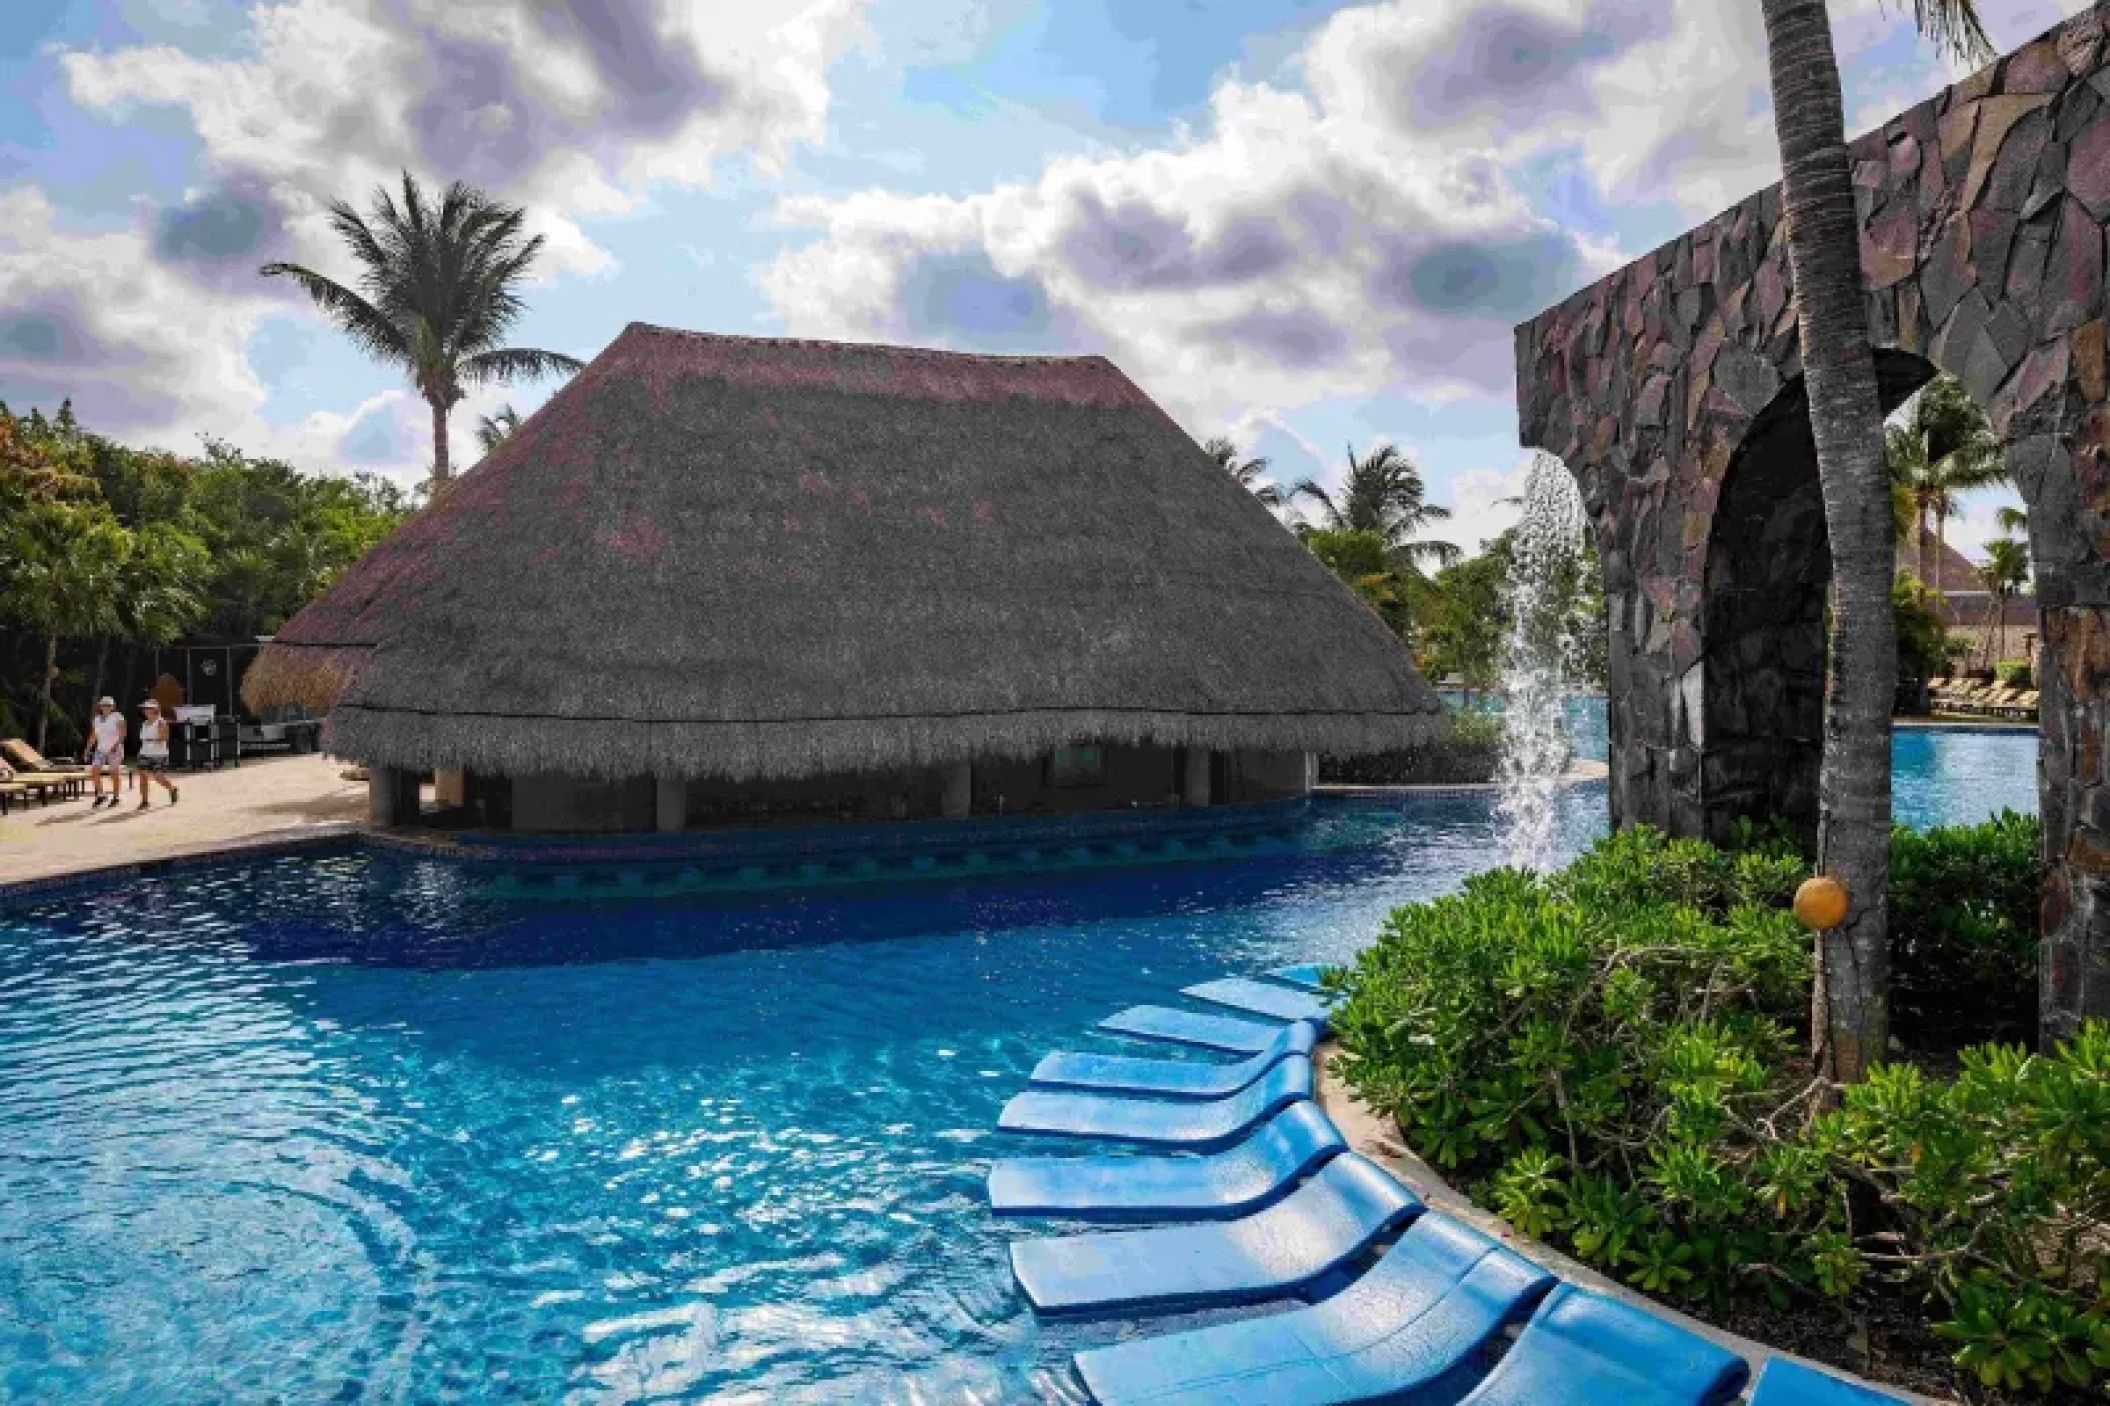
265 801
1375 1139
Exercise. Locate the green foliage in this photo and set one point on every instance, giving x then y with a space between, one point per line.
1611 1057
2017 673
1467 618
1963 931
1371 570
1924 648
101 543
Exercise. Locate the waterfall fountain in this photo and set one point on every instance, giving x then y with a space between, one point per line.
1537 662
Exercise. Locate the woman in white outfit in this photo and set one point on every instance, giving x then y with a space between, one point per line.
105 753
153 760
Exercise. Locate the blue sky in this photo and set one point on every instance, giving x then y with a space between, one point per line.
1306 225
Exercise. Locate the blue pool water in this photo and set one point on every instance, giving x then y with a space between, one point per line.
348 1125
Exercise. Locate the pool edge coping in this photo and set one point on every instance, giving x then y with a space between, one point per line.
46 886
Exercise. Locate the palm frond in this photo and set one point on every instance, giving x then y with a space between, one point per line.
516 363
365 324
1955 28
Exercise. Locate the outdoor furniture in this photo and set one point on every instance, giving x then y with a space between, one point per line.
1263 998
1307 976
12 791
1198 1127
1424 1312
33 768
1209 1032
1267 1255
1252 1174
1582 1349
1170 1078
1789 1383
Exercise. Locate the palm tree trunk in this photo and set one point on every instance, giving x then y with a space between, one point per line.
440 468
1850 1022
51 667
1941 549
1925 545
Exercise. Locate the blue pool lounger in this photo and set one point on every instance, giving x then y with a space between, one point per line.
1257 1172
1263 998
1271 1253
1197 1127
1306 976
1177 1027
1420 1315
1786 1383
1581 1349
1171 1078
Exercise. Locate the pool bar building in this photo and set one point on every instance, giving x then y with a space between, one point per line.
720 577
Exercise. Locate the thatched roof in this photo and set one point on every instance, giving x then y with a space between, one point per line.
743 557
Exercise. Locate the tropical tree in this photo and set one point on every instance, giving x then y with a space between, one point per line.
1366 563
494 430
1850 1017
1249 474
2004 571
437 293
1383 493
64 567
1944 448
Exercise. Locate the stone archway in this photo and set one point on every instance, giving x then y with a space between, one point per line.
1984 215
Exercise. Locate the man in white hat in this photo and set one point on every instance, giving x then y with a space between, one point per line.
153 762
105 752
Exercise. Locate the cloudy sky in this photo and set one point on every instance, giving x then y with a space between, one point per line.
1304 224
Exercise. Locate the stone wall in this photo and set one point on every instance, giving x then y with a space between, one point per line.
1983 233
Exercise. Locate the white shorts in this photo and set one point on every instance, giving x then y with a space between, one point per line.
111 758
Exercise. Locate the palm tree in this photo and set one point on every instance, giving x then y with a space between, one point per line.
65 564
1383 493
2004 571
437 295
1944 449
1850 1015
1246 473
494 430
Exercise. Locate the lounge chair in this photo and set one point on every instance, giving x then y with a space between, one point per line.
1177 1027
1263 998
1788 1383
1198 1127
1244 1177
1418 1318
32 768
1171 1078
1582 1349
1267 1255
1306 976
12 791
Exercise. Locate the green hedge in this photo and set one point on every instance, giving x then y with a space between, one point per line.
1612 1057
1963 932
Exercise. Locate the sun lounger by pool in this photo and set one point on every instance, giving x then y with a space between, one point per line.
1177 1027
1198 1127
1262 998
1419 1317
1244 1177
1316 1228
1171 1078
1307 976
1581 1349
1786 1383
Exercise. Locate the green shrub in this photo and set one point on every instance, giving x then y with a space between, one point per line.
2015 673
1611 1057
1963 932
1475 727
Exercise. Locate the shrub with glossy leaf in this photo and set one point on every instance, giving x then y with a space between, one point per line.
1963 932
1611 1057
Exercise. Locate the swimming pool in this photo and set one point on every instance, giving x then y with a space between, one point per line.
352 1124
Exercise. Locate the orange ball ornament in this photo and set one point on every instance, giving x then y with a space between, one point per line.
1820 903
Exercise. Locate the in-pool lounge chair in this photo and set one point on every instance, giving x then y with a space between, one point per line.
1177 1027
1306 976
1263 998
1788 1383
1195 1126
1419 1318
1267 1255
1582 1349
1244 1177
1171 1078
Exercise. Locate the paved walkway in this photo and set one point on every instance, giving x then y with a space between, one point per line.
266 798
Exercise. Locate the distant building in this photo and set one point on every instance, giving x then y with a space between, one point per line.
728 576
